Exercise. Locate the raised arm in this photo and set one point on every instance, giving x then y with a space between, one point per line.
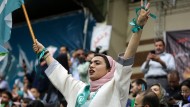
134 41
58 75
38 47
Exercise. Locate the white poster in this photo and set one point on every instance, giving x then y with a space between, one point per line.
101 37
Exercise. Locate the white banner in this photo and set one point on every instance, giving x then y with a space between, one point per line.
101 37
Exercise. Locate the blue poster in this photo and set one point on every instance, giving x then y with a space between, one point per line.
56 31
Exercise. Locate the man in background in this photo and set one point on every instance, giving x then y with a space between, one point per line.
137 86
173 90
157 65
147 99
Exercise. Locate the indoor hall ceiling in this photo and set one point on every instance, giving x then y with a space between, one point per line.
44 8
38 9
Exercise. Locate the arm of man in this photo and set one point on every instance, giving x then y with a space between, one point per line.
159 60
170 64
145 65
167 62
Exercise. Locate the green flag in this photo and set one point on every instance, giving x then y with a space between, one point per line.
6 8
3 52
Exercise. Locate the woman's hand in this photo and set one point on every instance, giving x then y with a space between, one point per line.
144 14
134 41
37 47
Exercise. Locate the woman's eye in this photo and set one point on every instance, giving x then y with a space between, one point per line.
97 63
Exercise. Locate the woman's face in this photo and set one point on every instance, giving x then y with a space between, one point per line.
97 68
185 92
156 90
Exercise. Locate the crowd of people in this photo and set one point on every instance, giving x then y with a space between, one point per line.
94 79
175 95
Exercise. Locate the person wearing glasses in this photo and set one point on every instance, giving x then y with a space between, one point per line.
185 92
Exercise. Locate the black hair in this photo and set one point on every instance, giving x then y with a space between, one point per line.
63 60
63 102
174 73
159 40
26 100
186 83
8 94
150 98
35 103
65 47
140 82
29 77
108 66
98 49
90 52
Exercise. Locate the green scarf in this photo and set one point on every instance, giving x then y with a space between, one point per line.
82 97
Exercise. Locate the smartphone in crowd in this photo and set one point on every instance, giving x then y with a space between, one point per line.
152 52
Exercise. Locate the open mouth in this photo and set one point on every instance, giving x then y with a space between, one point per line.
91 71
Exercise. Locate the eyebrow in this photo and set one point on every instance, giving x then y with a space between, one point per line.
95 61
185 90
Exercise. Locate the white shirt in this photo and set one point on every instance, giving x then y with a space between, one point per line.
156 69
112 94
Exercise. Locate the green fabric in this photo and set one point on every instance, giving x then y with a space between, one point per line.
7 7
3 53
137 27
41 54
151 15
133 103
2 105
82 97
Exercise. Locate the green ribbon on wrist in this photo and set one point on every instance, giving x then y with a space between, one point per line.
137 27
41 54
